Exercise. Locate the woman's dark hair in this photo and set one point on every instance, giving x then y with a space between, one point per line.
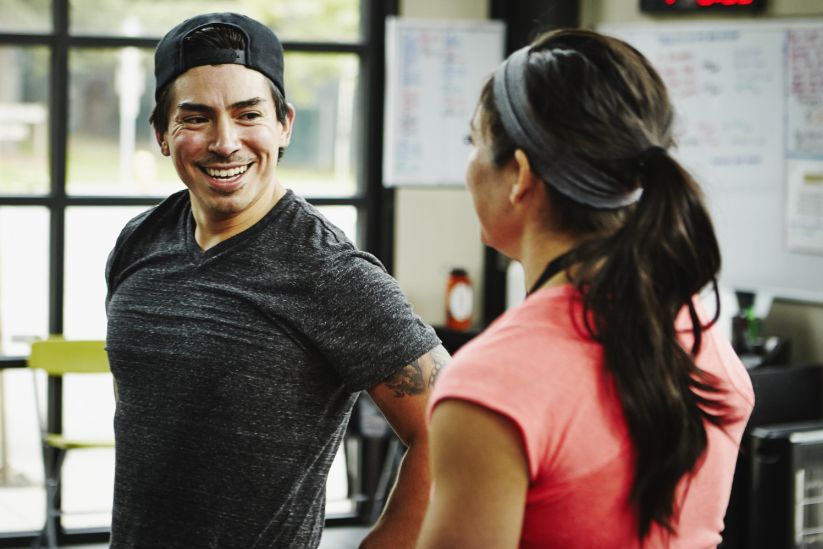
636 267
214 37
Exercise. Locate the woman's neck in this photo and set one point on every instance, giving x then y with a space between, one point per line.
537 251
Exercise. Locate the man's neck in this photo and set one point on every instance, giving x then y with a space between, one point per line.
211 230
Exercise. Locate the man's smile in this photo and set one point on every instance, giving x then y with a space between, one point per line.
225 173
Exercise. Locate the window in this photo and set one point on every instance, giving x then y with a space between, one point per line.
79 159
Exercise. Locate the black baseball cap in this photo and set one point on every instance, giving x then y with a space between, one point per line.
263 52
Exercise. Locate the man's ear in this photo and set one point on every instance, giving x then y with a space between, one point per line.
287 126
164 145
526 182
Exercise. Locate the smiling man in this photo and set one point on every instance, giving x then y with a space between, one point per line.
242 325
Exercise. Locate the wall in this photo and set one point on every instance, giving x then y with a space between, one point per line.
436 229
801 322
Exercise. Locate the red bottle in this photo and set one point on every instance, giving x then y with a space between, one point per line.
459 300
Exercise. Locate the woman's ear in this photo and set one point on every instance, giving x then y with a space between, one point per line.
526 182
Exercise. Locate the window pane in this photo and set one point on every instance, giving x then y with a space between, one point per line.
111 146
24 245
24 277
88 475
90 235
22 496
321 159
293 20
24 121
25 16
88 404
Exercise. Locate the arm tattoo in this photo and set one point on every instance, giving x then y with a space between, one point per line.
440 358
408 381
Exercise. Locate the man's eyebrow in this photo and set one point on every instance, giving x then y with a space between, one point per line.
247 103
194 107
199 107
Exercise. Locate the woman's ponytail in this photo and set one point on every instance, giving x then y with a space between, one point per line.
634 285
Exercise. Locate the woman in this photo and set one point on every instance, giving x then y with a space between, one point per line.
605 410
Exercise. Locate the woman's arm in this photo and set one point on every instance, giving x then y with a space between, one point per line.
481 476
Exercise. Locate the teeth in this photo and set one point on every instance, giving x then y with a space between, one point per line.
232 172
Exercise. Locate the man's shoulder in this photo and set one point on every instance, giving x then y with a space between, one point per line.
171 205
312 224
304 231
146 229
155 218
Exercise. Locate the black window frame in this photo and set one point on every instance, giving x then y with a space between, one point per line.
374 203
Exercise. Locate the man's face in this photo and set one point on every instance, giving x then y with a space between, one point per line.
223 137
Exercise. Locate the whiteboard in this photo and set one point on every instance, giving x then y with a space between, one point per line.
434 72
749 127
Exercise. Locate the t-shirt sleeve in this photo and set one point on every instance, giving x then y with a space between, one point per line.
363 324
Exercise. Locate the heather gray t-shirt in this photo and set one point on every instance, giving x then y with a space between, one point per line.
237 368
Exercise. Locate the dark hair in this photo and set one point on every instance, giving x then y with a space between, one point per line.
213 37
638 266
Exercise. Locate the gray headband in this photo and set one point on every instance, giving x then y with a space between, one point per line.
560 168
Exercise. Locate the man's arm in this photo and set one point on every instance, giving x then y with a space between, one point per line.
402 398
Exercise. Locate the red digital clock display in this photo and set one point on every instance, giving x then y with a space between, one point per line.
707 3
701 5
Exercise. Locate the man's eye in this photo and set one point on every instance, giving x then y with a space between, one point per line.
195 120
250 115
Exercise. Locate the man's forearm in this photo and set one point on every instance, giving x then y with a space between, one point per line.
399 525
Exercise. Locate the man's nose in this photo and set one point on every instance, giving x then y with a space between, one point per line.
225 139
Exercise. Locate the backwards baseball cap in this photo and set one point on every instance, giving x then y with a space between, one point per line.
263 51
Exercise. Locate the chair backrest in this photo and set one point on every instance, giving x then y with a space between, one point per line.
57 356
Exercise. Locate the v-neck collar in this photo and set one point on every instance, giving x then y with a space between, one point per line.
200 255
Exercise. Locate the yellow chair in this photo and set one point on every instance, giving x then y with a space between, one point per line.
58 357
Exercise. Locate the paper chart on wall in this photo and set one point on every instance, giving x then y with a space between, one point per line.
804 204
804 218
721 141
434 72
